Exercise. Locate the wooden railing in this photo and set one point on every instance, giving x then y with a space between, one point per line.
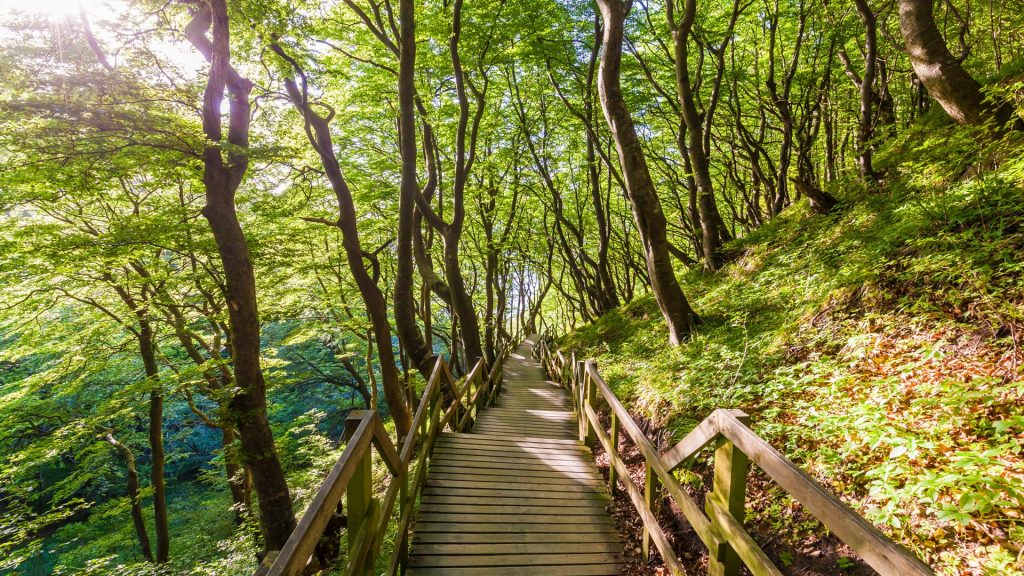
367 516
721 528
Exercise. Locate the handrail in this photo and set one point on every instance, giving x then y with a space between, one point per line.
368 516
720 526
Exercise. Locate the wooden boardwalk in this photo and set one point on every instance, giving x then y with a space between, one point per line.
520 495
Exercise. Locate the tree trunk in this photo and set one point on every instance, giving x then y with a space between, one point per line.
419 351
947 82
147 344
319 134
650 220
222 175
866 86
133 494
698 127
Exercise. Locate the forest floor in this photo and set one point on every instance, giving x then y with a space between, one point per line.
879 347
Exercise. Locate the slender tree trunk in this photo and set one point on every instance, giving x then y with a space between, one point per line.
222 174
320 139
947 82
866 88
156 441
133 495
419 351
650 220
698 127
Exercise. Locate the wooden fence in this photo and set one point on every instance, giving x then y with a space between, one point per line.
367 516
720 525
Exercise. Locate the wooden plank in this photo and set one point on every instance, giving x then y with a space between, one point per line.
572 570
516 451
496 460
461 483
607 536
878 551
524 426
517 560
587 509
568 521
484 448
293 556
517 468
543 445
571 477
440 549
540 413
526 430
740 541
525 467
492 450
472 497
503 438
698 438
432 525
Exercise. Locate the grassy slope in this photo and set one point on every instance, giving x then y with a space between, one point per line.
876 347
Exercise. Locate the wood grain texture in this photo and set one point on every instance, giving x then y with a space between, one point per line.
519 494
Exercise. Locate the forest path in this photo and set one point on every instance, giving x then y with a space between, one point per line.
520 494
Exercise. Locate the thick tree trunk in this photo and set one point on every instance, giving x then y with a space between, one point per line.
222 174
133 495
462 303
419 351
947 82
650 220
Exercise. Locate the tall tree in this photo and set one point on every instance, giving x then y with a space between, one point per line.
223 170
650 220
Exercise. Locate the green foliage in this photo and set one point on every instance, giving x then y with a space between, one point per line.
877 347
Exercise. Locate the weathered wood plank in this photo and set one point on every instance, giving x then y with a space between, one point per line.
518 495
529 559
587 509
516 498
426 525
569 520
514 440
460 483
573 570
542 476
607 536
441 549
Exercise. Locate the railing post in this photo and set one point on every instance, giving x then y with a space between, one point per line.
651 488
359 494
590 396
728 493
580 392
613 454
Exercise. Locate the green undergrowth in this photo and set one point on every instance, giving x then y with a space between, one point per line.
877 347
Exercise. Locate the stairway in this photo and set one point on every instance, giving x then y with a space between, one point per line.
520 494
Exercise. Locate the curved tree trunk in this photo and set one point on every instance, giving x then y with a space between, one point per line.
947 82
133 495
222 174
650 220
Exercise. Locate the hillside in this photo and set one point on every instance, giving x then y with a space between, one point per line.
879 347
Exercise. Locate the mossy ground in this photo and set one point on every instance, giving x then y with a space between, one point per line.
878 347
